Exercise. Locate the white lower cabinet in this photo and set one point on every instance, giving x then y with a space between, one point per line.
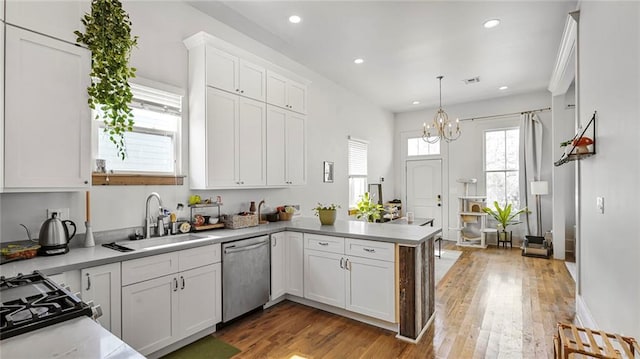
362 284
324 279
370 288
278 265
102 285
158 311
286 264
294 269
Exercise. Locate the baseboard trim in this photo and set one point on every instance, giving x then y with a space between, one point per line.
345 313
424 330
583 314
181 343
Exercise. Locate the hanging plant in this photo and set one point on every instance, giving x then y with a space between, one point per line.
108 36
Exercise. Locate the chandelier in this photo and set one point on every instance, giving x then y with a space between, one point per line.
441 128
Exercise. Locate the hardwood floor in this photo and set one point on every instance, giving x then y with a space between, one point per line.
493 303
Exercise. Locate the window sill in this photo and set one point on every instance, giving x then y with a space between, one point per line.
115 179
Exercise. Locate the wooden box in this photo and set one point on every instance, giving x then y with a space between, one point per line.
576 342
236 221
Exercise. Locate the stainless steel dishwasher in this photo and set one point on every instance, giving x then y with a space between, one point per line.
246 276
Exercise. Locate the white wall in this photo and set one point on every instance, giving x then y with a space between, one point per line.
465 155
334 113
609 76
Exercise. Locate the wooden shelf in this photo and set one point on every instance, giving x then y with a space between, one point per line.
121 179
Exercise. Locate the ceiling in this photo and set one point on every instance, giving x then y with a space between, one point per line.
406 45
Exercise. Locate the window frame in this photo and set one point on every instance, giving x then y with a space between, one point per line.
144 177
505 171
418 156
356 176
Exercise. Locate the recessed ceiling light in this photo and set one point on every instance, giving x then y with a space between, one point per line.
415 103
295 19
502 88
491 23
358 61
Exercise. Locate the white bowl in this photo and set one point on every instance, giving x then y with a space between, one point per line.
213 220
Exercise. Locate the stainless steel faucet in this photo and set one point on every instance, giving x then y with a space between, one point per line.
147 219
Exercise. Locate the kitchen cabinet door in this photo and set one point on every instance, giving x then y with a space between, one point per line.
297 97
324 277
276 146
276 89
102 285
228 72
221 139
286 93
252 142
294 270
370 287
252 80
222 70
47 119
200 299
149 314
286 155
279 243
296 149
37 16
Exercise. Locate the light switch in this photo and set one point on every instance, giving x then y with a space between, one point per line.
600 204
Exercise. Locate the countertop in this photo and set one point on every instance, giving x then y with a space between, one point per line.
79 257
75 338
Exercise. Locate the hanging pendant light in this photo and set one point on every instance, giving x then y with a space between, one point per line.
441 128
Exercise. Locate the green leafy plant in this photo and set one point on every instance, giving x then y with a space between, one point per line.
504 216
108 36
322 207
367 209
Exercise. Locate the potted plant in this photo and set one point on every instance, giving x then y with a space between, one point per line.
108 37
327 214
367 209
504 216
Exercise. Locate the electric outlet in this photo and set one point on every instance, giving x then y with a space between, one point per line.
600 204
63 213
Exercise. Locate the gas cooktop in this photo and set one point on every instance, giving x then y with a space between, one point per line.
33 301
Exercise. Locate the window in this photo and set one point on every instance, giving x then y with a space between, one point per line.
501 163
416 146
357 170
153 146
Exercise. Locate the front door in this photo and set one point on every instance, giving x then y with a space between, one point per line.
424 189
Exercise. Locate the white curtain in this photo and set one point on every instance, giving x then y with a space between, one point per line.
530 158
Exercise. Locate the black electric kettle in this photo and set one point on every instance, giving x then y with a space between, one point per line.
54 236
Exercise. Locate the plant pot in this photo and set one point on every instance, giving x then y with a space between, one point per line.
327 216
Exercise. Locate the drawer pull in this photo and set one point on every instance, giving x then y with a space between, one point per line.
323 243
370 250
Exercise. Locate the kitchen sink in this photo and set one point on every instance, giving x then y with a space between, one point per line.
160 242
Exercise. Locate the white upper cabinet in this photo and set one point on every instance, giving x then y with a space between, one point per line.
47 119
235 139
286 93
285 147
54 18
228 128
230 73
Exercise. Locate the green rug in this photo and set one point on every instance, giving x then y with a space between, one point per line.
208 347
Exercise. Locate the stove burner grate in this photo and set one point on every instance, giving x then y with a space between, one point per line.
33 301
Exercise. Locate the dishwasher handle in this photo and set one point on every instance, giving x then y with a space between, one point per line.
245 248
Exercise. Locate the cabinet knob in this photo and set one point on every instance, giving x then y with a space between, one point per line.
86 182
241 91
237 90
